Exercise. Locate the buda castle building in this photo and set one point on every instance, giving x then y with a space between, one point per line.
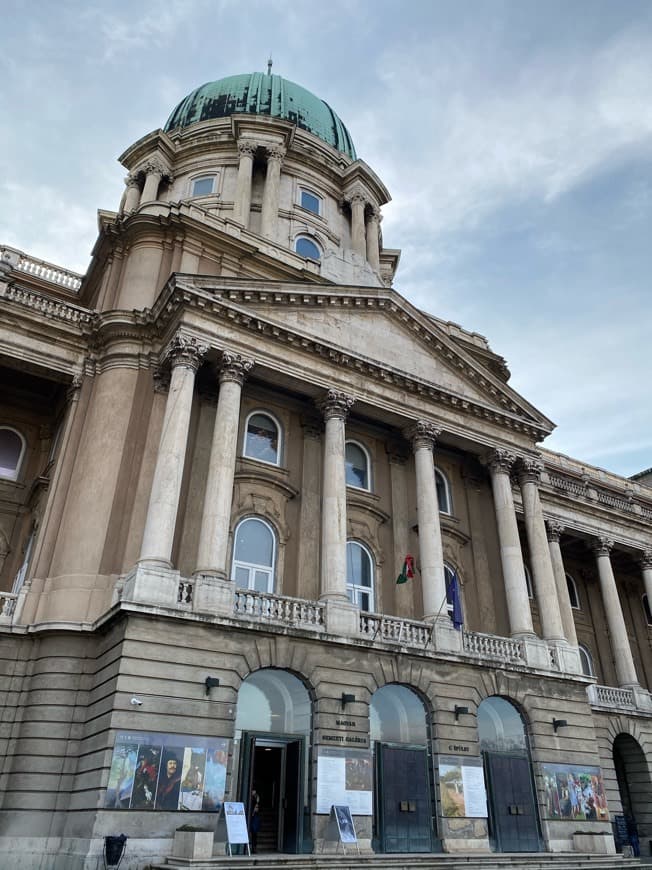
220 448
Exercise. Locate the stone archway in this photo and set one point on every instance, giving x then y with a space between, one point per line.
635 788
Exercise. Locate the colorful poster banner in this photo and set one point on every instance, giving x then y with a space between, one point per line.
153 771
463 792
574 793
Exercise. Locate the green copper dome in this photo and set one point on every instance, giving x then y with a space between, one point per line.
261 94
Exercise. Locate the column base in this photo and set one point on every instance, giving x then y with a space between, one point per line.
148 583
342 618
213 594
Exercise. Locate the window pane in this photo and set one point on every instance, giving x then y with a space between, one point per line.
306 248
364 601
254 543
310 202
356 467
442 493
10 450
261 581
358 567
242 578
202 186
500 726
262 438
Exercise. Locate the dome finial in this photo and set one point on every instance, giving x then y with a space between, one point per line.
269 64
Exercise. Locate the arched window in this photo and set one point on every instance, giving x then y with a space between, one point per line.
397 715
449 574
443 492
310 201
573 594
273 700
262 438
587 661
254 555
12 449
501 727
357 465
528 582
359 576
305 247
203 186
646 609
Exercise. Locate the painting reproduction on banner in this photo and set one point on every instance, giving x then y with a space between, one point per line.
574 793
167 772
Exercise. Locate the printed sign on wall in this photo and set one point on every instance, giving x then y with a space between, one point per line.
344 776
463 793
574 793
152 771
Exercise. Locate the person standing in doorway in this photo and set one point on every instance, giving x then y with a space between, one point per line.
254 819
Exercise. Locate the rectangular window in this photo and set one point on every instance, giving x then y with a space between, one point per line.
310 202
203 186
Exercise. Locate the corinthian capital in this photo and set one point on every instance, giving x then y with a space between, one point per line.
646 559
247 147
500 460
422 434
275 152
357 197
530 469
234 367
602 546
186 351
131 180
153 166
335 404
554 529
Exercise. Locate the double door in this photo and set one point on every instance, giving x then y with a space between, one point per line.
513 819
403 800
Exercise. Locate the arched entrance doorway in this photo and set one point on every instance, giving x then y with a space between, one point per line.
403 792
633 776
513 816
272 730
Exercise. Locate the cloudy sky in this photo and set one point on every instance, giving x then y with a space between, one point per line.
514 135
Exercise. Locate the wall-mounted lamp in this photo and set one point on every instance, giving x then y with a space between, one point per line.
559 723
460 711
211 683
347 699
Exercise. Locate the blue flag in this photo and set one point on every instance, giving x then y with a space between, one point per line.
453 597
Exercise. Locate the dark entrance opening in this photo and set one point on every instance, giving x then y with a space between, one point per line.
272 765
513 815
635 789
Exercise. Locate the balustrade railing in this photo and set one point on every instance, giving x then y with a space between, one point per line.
407 632
611 696
277 608
7 605
489 646
49 272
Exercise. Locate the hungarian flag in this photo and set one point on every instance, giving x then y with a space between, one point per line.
408 570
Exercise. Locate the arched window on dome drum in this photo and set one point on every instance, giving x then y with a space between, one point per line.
305 247
357 465
573 594
262 438
586 660
12 448
254 555
443 492
310 201
359 576
203 186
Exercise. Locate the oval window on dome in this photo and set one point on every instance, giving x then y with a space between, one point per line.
305 247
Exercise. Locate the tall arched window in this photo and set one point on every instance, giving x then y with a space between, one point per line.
305 247
646 609
573 594
443 492
12 449
586 660
262 439
254 555
356 459
528 582
359 575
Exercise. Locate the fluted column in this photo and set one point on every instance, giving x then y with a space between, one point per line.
216 516
269 213
373 239
431 554
154 171
554 530
518 605
335 408
622 653
242 204
646 570
358 241
530 469
133 193
185 355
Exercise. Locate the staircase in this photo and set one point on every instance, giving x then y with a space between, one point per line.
512 861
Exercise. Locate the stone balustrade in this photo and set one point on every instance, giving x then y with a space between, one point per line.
41 269
490 646
626 700
406 632
296 612
7 607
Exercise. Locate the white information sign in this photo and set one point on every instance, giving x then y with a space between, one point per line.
475 796
344 779
463 793
236 822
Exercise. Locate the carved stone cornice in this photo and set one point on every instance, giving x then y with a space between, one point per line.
602 546
530 469
335 404
234 367
422 435
500 461
645 560
554 529
247 147
185 351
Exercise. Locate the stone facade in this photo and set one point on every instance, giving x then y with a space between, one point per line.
217 454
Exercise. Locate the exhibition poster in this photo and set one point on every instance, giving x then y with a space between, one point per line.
345 778
574 793
345 824
463 792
